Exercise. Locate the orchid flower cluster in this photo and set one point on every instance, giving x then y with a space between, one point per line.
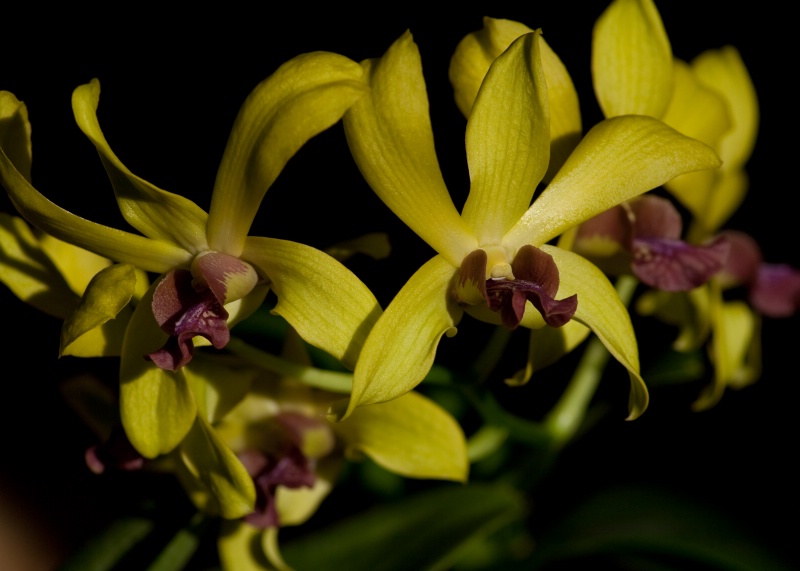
260 437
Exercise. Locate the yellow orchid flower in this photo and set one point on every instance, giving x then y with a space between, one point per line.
713 100
493 258
294 455
211 271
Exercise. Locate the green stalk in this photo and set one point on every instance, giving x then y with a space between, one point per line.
566 417
334 381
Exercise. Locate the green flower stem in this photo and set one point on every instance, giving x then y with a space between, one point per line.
566 417
334 381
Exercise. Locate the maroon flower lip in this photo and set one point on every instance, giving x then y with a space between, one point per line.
648 232
535 279
184 312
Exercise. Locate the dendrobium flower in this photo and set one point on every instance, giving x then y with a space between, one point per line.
643 236
212 272
493 258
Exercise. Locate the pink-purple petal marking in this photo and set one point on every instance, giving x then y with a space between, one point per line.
184 312
674 265
776 292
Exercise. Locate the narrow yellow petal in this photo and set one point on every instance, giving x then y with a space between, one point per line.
305 96
411 436
390 136
508 140
476 52
76 265
695 110
15 132
547 345
218 470
29 273
157 406
724 71
617 160
239 547
631 60
154 212
324 301
145 253
400 349
106 295
296 505
600 309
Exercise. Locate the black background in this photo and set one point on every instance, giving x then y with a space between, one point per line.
171 87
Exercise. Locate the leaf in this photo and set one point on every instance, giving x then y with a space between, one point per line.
105 550
652 526
425 531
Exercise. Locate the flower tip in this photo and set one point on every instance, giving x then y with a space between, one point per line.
338 411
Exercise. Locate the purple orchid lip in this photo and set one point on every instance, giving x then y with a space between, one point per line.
184 312
647 231
190 303
535 279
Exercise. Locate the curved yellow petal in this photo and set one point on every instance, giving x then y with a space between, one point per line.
724 71
400 349
476 52
690 311
239 547
547 345
411 436
711 197
324 301
617 160
390 136
76 265
695 110
15 132
734 350
29 273
157 406
145 253
631 60
109 291
296 505
600 309
216 467
157 214
305 96
508 140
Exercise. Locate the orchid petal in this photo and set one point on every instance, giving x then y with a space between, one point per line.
109 291
690 311
736 332
296 505
400 349
724 71
15 132
239 547
233 493
600 309
145 253
218 383
324 301
508 140
695 110
411 436
29 273
390 136
617 160
476 52
157 214
305 96
76 265
548 345
711 197
157 406
631 60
